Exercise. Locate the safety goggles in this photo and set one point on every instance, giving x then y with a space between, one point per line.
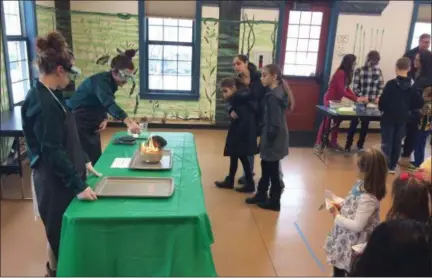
73 73
125 76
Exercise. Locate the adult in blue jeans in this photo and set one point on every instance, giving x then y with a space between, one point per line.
397 101
367 82
250 76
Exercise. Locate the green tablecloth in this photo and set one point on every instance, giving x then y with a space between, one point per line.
141 237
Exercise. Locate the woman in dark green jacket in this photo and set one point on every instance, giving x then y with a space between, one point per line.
56 156
95 98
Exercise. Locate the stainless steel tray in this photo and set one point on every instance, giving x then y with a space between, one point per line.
165 164
135 187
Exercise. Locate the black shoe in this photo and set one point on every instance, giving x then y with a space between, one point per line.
347 150
270 205
228 183
258 197
242 180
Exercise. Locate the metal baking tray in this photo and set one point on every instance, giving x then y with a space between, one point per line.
165 164
135 187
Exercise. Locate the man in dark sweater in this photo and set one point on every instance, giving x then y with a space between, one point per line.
424 43
397 101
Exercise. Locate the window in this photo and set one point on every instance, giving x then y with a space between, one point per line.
19 72
302 45
170 56
419 29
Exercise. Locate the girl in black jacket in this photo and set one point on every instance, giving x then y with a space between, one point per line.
241 138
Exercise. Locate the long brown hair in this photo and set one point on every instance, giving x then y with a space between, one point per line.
372 164
347 65
411 197
274 69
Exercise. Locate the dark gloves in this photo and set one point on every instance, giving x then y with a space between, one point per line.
159 141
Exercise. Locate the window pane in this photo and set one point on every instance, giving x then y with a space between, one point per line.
312 59
304 31
11 7
13 25
305 70
185 34
301 58
305 18
155 67
155 82
291 44
19 90
184 68
17 51
170 52
19 71
302 45
170 22
185 53
293 31
185 22
155 33
290 57
289 69
294 17
155 51
315 32
317 18
155 21
313 45
170 34
184 83
170 82
169 68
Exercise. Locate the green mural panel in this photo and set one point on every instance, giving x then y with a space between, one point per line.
99 37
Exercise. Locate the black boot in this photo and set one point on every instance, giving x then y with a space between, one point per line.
261 194
257 198
50 272
228 183
249 187
273 203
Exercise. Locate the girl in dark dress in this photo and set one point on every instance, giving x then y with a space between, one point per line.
241 138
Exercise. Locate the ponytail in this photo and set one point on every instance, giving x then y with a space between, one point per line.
287 89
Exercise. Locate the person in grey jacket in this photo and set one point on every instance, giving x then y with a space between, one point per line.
274 137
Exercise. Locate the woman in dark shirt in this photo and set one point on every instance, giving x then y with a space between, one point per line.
56 156
95 98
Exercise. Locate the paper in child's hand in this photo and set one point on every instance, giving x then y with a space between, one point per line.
331 200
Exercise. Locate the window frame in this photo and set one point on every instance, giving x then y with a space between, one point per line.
282 58
171 94
27 12
145 93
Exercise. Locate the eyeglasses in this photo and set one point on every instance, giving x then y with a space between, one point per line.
73 73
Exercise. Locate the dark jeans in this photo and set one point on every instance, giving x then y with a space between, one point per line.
246 167
270 173
420 145
337 272
391 142
410 138
352 130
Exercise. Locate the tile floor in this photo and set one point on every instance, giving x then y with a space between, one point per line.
248 241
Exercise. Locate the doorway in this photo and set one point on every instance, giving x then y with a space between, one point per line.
302 58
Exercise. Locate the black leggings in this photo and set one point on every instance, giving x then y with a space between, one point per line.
246 167
270 173
337 272
411 132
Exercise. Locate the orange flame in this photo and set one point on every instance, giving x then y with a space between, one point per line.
149 147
